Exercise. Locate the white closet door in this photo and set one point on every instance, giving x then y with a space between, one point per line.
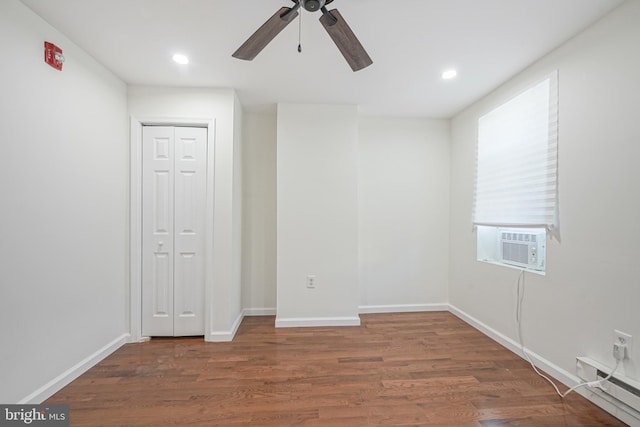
157 234
173 197
190 190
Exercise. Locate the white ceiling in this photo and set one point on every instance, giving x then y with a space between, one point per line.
411 43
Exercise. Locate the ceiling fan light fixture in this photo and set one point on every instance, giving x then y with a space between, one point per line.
313 5
180 59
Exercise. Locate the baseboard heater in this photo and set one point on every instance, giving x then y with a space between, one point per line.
621 388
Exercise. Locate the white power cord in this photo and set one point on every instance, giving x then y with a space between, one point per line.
619 351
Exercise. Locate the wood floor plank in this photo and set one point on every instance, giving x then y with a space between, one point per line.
400 369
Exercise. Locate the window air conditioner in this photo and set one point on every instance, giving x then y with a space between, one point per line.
523 249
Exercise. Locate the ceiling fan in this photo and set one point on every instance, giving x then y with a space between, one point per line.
332 21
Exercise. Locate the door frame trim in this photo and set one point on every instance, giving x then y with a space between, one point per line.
135 216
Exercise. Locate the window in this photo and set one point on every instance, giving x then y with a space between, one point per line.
517 174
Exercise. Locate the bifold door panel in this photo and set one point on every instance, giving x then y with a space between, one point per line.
173 206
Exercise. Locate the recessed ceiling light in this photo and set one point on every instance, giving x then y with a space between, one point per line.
180 59
449 74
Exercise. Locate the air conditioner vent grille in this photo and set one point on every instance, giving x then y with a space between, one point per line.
515 252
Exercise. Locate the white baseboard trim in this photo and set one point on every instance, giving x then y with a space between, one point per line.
560 374
303 322
226 336
56 384
260 311
402 308
598 398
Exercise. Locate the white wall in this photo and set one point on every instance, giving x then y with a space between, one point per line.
403 213
63 222
403 192
592 283
221 105
236 214
317 206
259 221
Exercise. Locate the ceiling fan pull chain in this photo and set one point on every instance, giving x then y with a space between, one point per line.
300 33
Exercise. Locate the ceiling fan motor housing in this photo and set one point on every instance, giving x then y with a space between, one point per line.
313 5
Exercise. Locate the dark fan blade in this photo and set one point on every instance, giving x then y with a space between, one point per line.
346 41
267 32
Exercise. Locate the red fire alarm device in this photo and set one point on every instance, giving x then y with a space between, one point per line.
53 55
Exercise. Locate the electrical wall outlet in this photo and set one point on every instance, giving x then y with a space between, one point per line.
624 339
311 281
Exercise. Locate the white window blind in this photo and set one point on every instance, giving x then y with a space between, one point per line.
517 161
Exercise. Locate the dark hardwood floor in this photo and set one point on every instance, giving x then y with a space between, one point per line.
395 370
